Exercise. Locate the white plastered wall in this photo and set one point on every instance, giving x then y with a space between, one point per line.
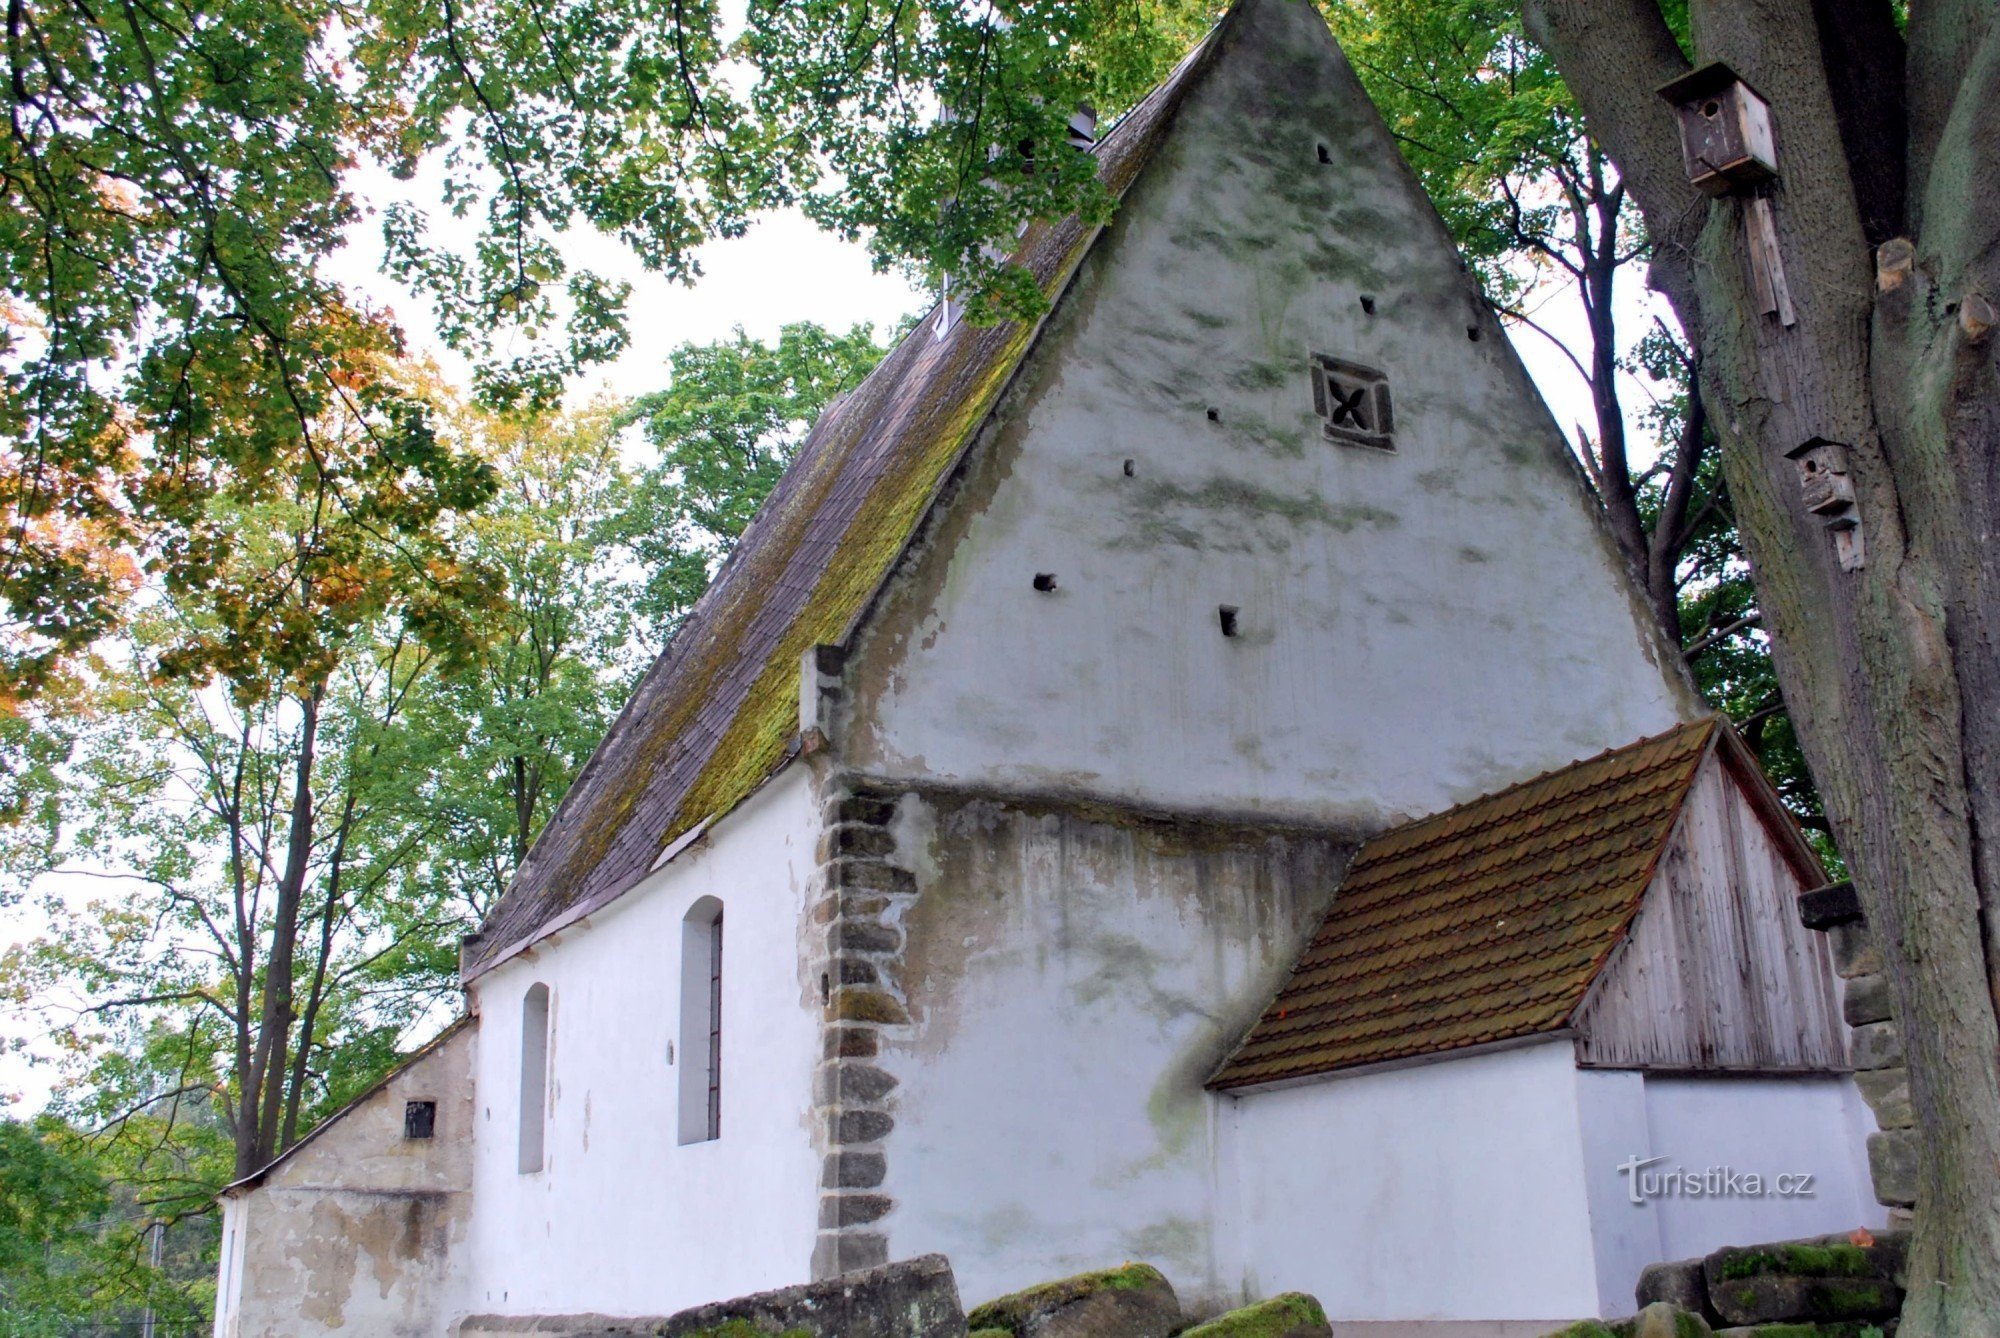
359 1229
624 1218
1452 1191
1415 628
1748 1125
1074 981
1489 1188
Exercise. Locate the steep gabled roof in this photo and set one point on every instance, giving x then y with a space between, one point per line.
1485 923
717 715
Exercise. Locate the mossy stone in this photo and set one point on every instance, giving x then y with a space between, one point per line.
1134 1301
1290 1315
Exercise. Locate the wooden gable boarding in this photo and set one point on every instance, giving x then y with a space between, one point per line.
1717 974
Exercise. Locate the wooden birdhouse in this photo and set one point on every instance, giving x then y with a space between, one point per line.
1823 480
1828 492
1725 125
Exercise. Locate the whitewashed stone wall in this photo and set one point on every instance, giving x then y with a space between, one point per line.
359 1229
624 1218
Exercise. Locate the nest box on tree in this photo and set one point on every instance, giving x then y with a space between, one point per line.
1725 128
1730 149
1829 493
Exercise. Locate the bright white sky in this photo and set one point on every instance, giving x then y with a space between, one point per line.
785 270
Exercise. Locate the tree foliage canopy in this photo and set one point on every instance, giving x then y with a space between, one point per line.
262 869
178 172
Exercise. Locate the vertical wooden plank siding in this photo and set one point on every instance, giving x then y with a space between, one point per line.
1717 973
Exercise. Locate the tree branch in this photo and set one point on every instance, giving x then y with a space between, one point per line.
1611 53
1721 634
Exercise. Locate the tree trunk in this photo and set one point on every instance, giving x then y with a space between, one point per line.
1891 671
264 1085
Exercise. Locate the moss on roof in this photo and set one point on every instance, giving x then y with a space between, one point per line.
717 715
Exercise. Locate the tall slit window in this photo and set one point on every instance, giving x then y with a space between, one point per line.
701 1023
534 1074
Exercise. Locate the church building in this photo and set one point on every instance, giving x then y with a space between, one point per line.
1188 780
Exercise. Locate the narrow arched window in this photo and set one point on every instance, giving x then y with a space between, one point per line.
701 1022
534 1074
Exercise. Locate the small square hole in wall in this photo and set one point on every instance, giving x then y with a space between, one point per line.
420 1119
1353 403
1226 615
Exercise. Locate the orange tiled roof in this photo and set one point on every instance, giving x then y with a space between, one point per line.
1484 923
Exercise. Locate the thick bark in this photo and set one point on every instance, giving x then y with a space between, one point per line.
1863 58
1890 671
1944 37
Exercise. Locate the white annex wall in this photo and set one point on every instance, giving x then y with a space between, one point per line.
1453 1191
359 1229
624 1219
1416 628
1074 983
1762 1126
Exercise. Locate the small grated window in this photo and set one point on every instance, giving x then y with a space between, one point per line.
1353 403
420 1119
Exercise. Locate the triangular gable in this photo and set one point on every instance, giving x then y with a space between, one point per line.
716 715
369 1093
1717 973
1482 924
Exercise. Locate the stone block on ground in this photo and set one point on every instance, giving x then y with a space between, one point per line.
1892 1165
915 1298
1853 1329
1290 1315
1811 1257
1679 1283
1658 1320
1776 1296
1135 1301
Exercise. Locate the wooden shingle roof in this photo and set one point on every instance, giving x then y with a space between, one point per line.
1485 923
717 714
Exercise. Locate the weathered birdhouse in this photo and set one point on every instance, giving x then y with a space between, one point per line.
1725 126
1823 480
1827 491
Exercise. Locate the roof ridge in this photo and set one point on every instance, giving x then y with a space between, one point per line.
1705 722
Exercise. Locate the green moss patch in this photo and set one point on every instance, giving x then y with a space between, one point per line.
1806 1261
1008 1313
743 1328
1268 1319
